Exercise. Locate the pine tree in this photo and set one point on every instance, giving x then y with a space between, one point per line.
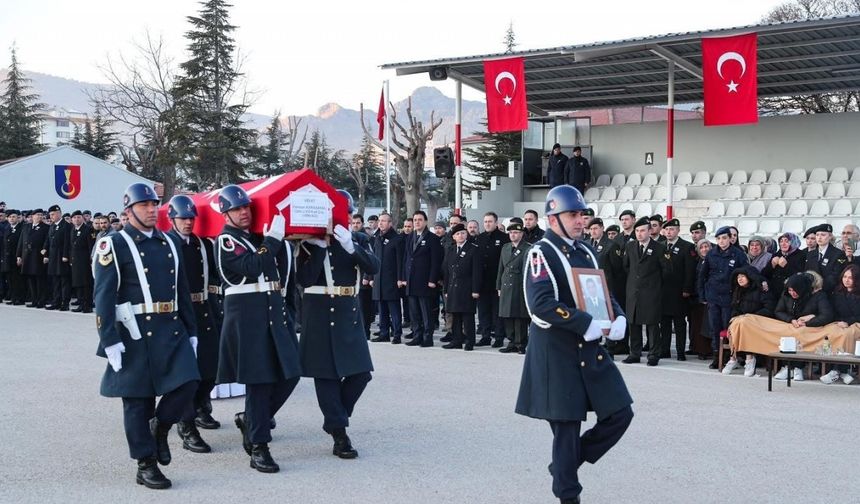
103 140
77 141
20 125
491 157
510 38
270 162
329 164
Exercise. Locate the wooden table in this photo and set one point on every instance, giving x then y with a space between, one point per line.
774 358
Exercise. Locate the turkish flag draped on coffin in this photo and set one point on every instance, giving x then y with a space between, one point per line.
730 79
269 197
505 87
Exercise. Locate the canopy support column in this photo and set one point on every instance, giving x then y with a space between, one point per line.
458 118
670 139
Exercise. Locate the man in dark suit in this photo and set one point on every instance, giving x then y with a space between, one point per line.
647 264
827 259
388 248
10 265
34 265
79 249
577 171
678 288
57 249
365 293
531 230
555 174
490 244
461 271
421 274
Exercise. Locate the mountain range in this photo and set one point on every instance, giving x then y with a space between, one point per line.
341 126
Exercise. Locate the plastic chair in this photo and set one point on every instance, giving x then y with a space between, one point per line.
758 177
854 189
625 206
839 174
634 180
625 194
735 209
855 174
663 179
650 179
739 177
643 194
777 176
720 178
772 191
756 209
820 208
602 180
717 209
793 226
679 193
768 227
644 209
835 190
684 178
592 194
776 209
797 175
609 194
733 192
798 208
617 180
660 193
661 209
814 191
704 178
841 207
857 210
752 191
747 227
792 191
818 175
608 210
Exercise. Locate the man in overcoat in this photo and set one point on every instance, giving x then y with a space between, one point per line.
80 246
389 251
509 283
678 288
461 274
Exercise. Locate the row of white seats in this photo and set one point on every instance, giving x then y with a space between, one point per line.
774 227
813 190
627 193
721 177
778 208
613 210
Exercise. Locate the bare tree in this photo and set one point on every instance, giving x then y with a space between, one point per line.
293 145
408 153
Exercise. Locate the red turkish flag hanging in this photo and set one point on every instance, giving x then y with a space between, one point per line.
505 87
380 115
730 79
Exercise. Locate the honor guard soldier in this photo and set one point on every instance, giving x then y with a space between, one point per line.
566 372
80 247
509 281
34 265
678 288
389 251
333 345
59 269
10 266
146 330
198 264
461 276
259 347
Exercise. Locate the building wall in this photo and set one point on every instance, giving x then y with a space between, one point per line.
802 141
58 126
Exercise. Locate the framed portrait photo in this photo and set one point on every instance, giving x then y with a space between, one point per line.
592 295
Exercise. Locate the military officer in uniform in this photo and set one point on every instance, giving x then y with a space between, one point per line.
33 264
461 276
146 331
80 247
827 259
509 283
678 288
199 264
259 347
389 251
333 346
566 372
57 249
17 284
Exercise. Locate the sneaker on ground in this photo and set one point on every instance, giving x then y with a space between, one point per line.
749 367
798 374
730 366
782 374
830 377
847 378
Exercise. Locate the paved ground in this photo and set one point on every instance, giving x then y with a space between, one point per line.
434 426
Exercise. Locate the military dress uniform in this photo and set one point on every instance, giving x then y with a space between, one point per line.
829 263
512 307
80 246
32 265
646 270
17 284
681 281
59 269
334 349
490 245
462 277
145 275
389 251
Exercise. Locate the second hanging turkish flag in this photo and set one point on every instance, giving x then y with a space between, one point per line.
730 79
505 87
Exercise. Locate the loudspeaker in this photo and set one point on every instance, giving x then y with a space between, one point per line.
443 160
438 73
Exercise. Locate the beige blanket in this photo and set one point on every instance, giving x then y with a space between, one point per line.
757 334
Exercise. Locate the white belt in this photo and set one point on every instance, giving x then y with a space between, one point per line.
253 287
156 307
331 291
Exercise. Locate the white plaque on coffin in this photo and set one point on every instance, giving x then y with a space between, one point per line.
309 207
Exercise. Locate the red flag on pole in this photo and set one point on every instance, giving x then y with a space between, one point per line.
380 115
730 79
505 87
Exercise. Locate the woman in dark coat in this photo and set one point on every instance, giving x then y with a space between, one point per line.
846 307
748 297
802 305
787 261
700 329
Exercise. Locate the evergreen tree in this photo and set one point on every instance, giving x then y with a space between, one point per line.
270 162
491 157
20 125
218 143
329 164
510 38
103 140
77 141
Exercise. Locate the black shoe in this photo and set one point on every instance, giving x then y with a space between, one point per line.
377 333
262 460
160 431
447 338
427 343
342 445
409 336
690 352
522 351
713 365
646 348
508 349
498 343
48 307
469 346
631 360
64 308
413 342
705 356
191 439
272 424
87 310
204 420
486 340
381 339
240 423
653 362
150 476
450 345
395 340
575 500
681 357
77 310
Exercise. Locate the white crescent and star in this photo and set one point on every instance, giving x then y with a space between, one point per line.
509 76
731 56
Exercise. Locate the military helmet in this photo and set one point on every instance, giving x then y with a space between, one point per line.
349 200
181 206
564 198
137 193
232 196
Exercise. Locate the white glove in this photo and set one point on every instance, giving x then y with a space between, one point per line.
594 332
319 242
193 340
344 237
114 355
617 329
277 229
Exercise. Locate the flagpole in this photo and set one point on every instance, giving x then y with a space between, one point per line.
387 151
458 179
670 139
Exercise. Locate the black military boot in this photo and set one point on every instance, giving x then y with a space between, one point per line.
498 343
191 439
575 500
395 340
150 476
159 432
204 418
240 423
484 341
262 460
342 445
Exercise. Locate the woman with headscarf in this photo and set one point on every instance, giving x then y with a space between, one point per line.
700 329
787 261
748 297
758 255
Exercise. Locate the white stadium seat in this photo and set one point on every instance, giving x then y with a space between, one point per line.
855 175
854 190
625 206
735 209
792 191
820 208
814 191
839 225
768 227
798 208
747 227
644 209
634 180
793 226
594 207
625 194
602 180
739 177
776 209
660 193
608 210
772 191
592 194
818 175
777 176
839 174
660 209
717 209
841 207
733 192
752 191
704 177
650 179
679 193
720 177
609 194
798 175
835 190
758 177
684 178
617 180
663 179
857 210
709 225
756 209
643 194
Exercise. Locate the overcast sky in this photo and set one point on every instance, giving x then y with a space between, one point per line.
303 54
